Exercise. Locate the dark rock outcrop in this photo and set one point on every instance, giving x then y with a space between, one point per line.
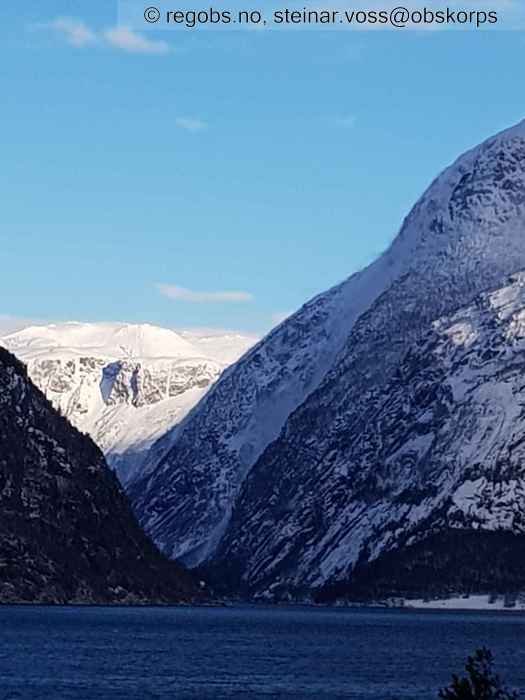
67 533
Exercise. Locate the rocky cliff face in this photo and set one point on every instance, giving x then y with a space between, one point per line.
126 385
67 533
126 404
286 413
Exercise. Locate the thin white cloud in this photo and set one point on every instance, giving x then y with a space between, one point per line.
190 124
128 40
78 34
74 31
172 291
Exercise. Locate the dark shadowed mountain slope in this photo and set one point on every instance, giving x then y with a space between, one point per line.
417 468
67 533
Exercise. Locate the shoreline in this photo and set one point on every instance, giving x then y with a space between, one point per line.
473 604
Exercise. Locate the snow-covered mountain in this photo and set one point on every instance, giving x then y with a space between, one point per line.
439 447
124 384
67 532
223 346
292 405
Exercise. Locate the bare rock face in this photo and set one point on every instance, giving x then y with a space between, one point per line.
67 532
126 385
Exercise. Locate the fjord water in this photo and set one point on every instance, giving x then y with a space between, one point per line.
83 653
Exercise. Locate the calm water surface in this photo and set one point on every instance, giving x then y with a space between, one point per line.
245 652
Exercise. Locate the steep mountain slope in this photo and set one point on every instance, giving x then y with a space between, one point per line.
463 236
67 532
439 447
124 384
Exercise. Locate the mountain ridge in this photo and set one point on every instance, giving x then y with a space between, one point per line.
293 391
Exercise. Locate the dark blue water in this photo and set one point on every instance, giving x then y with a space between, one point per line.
245 652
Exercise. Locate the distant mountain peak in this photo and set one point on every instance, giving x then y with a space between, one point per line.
125 384
115 340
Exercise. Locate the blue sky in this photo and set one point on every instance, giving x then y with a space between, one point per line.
229 176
